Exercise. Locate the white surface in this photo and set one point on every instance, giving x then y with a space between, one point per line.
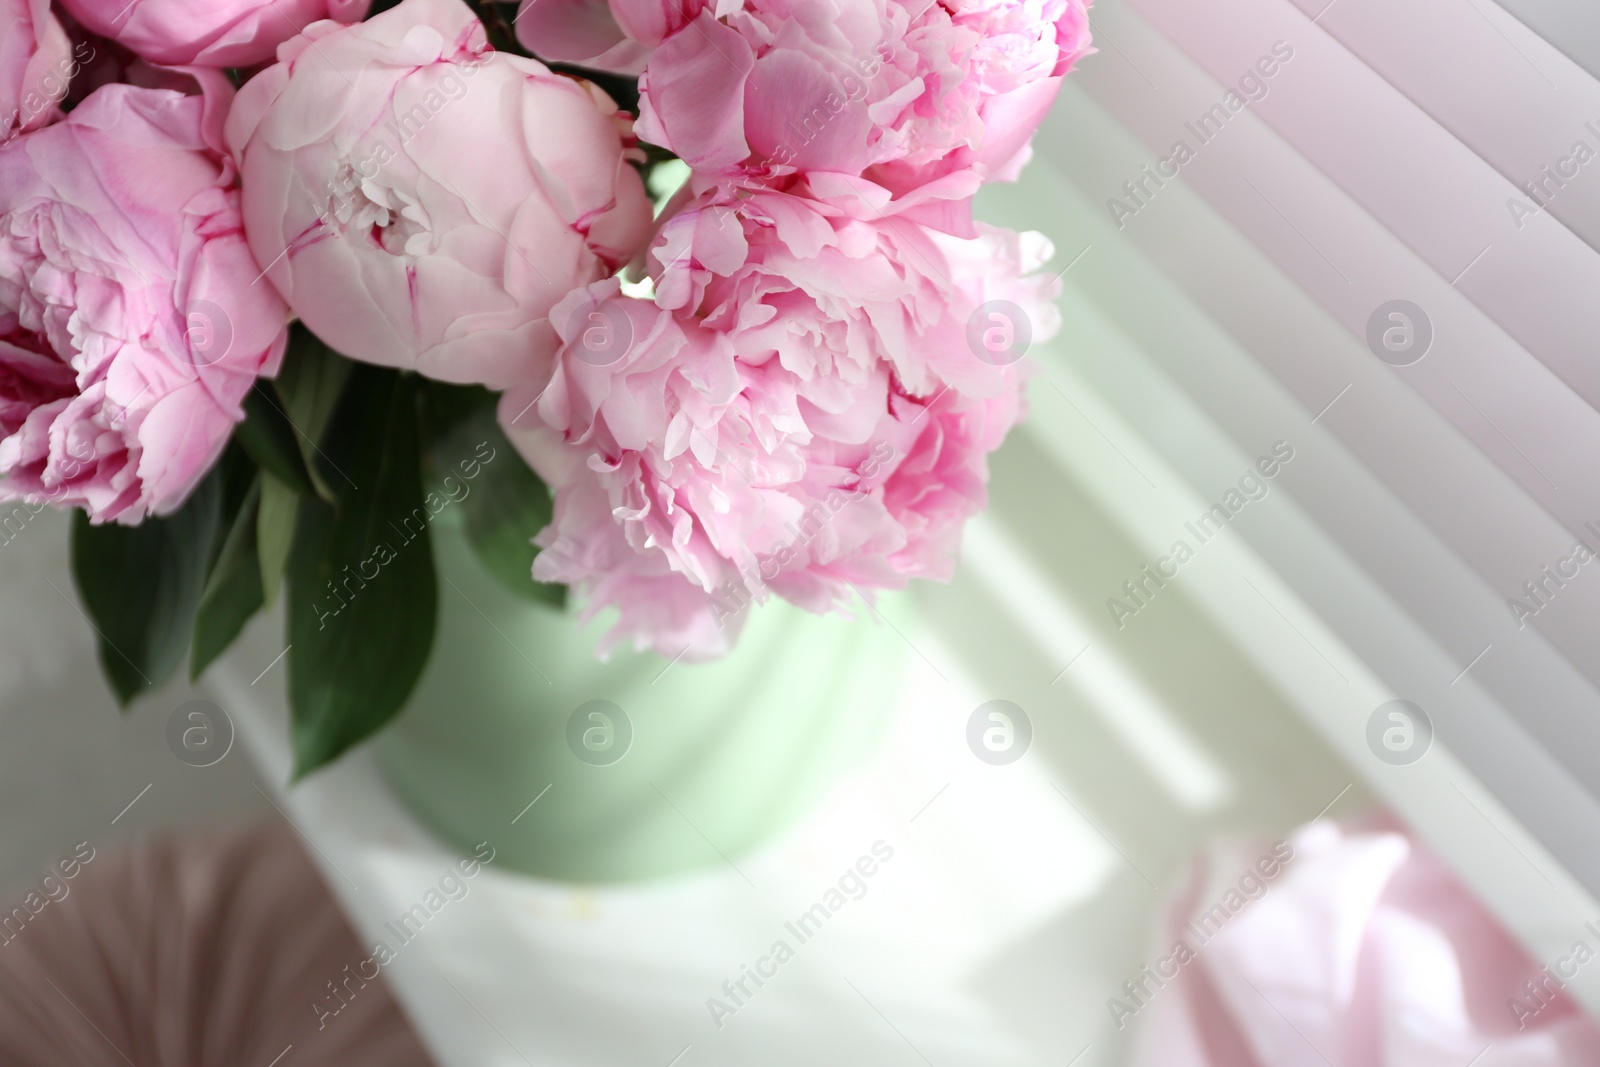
1020 897
992 937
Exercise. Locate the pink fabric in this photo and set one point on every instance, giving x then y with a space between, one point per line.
207 951
1359 949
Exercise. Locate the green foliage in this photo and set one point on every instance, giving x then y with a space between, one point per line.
233 590
142 586
504 503
309 386
276 516
270 438
329 486
362 595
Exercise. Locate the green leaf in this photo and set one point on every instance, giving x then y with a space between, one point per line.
504 510
276 517
304 397
142 586
309 385
270 438
233 591
239 474
503 501
447 414
363 599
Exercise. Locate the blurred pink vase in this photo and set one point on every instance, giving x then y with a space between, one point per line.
1362 949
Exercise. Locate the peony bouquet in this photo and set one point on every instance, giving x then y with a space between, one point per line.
680 304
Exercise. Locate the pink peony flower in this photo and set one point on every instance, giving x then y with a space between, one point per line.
36 65
615 36
800 410
207 33
423 201
899 93
130 330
